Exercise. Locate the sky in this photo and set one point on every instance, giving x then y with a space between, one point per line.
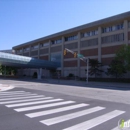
26 20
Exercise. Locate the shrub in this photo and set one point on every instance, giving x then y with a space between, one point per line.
71 75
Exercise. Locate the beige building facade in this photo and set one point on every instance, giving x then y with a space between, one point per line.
97 40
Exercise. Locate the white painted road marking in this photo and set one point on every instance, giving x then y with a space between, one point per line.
96 121
27 100
19 100
47 112
13 92
8 94
32 103
21 97
59 119
43 106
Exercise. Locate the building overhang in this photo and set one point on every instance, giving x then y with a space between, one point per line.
26 62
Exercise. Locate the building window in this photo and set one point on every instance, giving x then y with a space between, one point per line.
44 44
113 38
104 30
34 47
91 33
56 57
70 38
19 51
56 41
91 42
119 26
112 28
26 49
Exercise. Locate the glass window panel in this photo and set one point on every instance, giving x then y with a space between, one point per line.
56 57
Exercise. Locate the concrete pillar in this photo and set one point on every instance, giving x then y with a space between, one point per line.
22 51
39 73
126 32
49 53
38 50
79 37
30 51
62 58
99 44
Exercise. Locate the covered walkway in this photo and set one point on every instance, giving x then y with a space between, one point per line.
27 62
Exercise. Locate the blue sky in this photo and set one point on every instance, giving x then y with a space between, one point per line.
25 20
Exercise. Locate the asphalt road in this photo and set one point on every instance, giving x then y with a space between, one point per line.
33 109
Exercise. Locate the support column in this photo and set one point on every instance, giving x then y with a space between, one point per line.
49 53
79 37
39 73
22 51
126 32
99 44
30 51
38 50
62 58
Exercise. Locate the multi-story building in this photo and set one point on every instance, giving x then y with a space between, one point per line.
97 40
8 51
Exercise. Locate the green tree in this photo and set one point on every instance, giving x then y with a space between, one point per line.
95 67
0 68
123 55
116 68
8 70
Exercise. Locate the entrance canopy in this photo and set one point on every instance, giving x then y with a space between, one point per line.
24 61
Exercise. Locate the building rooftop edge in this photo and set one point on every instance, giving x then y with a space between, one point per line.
78 28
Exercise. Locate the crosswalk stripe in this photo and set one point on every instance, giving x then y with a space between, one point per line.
21 97
2 94
32 103
43 106
17 101
96 121
8 96
12 92
71 116
52 111
15 94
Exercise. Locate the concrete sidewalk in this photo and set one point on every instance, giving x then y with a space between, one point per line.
94 84
5 87
113 92
89 84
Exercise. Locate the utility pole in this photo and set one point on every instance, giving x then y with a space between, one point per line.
86 60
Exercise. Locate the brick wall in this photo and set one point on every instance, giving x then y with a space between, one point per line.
107 61
110 50
44 57
90 52
70 63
